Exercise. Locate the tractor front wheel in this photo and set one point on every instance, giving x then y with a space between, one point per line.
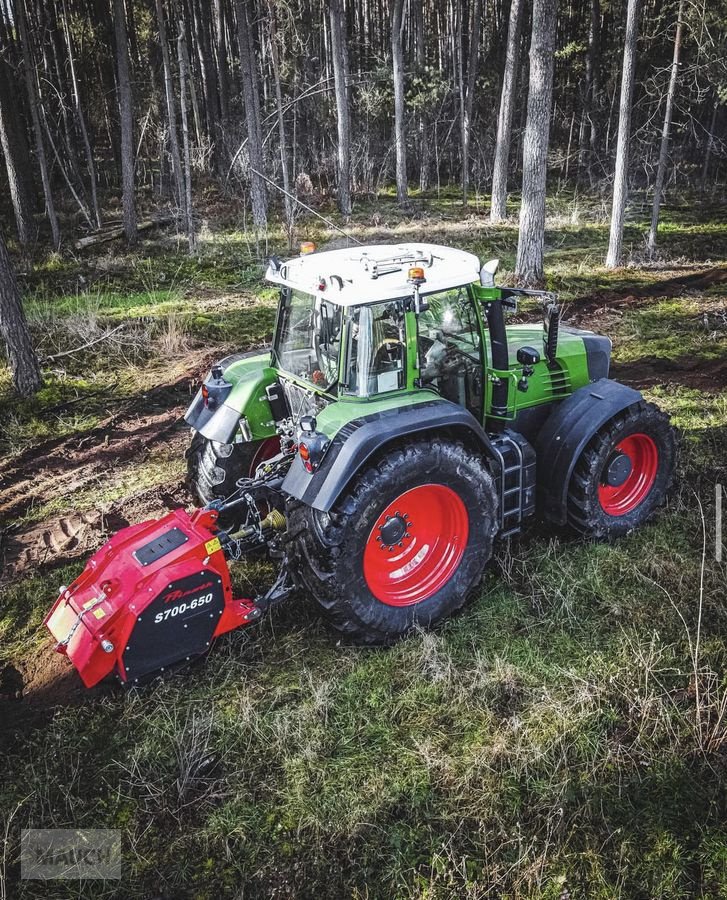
624 473
213 469
403 547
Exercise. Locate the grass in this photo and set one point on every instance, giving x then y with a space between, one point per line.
564 736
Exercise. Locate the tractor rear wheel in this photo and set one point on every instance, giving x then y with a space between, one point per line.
403 547
213 469
624 473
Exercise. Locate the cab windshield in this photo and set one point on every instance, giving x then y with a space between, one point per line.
308 339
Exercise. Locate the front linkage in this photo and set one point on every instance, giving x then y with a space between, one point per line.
157 594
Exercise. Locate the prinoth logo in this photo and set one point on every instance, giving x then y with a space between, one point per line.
173 596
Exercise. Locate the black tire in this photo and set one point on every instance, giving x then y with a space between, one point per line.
213 470
326 550
586 512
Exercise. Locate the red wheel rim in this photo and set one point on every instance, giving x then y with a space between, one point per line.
644 458
432 526
268 448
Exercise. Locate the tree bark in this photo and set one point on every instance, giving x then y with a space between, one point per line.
15 152
397 60
126 115
183 79
252 117
664 148
14 330
468 95
498 208
620 182
34 104
531 240
340 76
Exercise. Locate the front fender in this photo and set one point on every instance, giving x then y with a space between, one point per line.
357 440
565 434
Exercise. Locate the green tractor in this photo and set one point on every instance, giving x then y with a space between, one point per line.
397 427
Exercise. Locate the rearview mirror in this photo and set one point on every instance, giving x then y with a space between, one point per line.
488 271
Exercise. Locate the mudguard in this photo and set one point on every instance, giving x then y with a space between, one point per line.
565 434
239 392
360 438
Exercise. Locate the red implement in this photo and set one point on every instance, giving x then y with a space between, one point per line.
155 595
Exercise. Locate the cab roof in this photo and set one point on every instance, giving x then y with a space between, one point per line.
374 272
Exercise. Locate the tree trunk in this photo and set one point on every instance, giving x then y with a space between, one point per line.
620 181
222 69
397 60
34 104
531 240
498 208
284 162
468 93
15 152
340 76
14 330
587 134
664 148
710 144
252 117
81 120
183 79
171 112
126 115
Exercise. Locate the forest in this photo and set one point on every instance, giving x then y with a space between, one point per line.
564 734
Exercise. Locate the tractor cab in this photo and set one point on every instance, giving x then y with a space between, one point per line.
362 323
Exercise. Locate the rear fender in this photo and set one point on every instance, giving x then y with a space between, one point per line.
360 438
245 397
565 434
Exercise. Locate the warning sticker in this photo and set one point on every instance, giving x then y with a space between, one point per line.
99 613
212 546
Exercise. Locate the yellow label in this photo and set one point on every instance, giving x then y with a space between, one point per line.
99 613
212 546
90 602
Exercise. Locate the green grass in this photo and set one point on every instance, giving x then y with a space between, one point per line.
564 736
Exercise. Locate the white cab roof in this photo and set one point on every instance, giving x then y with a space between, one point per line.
366 274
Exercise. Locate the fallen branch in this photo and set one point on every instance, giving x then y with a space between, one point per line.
114 233
104 337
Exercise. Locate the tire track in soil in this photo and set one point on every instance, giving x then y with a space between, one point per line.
60 466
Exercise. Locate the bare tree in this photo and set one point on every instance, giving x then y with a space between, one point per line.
252 116
171 111
498 208
14 330
15 152
467 93
35 107
664 148
126 114
340 75
282 134
531 240
183 60
397 60
81 121
620 181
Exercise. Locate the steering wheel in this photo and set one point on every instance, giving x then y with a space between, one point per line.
389 350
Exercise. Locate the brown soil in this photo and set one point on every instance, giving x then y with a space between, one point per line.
578 310
706 375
